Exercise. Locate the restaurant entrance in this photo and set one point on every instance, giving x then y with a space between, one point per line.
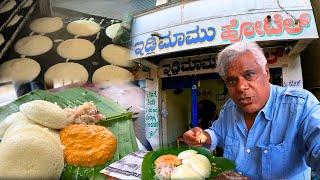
183 98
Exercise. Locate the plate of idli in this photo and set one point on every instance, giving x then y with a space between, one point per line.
183 163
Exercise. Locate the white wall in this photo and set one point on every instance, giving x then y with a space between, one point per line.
178 109
291 70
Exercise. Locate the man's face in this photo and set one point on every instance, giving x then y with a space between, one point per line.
248 83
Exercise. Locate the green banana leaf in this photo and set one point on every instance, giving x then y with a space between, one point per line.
123 37
118 120
148 166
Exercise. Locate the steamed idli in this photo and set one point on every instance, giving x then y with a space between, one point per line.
27 4
45 113
46 24
21 126
8 6
83 28
20 70
199 163
117 55
14 20
186 154
185 171
1 39
66 72
75 49
33 45
9 120
30 155
110 75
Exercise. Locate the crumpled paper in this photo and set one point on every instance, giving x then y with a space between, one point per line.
129 167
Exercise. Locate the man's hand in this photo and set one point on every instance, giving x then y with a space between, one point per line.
196 137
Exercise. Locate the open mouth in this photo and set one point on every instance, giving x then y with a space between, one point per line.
245 100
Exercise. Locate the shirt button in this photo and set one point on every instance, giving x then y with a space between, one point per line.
248 150
265 151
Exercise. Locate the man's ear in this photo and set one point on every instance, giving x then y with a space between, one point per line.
268 72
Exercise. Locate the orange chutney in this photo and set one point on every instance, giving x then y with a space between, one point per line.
87 145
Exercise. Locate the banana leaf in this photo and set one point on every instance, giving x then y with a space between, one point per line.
123 37
118 120
148 167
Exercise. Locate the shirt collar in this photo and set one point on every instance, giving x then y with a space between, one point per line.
267 109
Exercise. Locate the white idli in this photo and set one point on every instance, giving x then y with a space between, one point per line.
8 6
46 24
21 70
1 39
19 122
33 45
9 120
109 75
76 49
199 163
185 171
83 28
117 55
16 18
66 72
27 4
30 155
45 113
111 31
24 125
186 154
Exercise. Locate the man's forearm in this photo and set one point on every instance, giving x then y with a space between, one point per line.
208 138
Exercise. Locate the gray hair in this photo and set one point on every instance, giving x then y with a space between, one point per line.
227 55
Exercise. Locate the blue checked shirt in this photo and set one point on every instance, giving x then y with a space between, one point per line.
283 142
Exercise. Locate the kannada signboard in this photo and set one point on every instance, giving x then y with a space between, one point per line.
151 113
226 30
205 63
182 66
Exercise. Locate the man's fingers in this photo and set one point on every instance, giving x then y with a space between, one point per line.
189 138
193 143
196 130
197 145
193 137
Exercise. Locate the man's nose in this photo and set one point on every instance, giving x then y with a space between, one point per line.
242 85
